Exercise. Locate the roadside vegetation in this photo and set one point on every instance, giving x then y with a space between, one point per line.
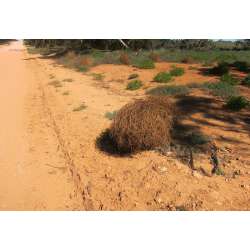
134 85
163 77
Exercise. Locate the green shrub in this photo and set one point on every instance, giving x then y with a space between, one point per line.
241 66
163 77
175 71
221 69
169 90
228 78
246 81
133 85
237 103
145 64
221 89
110 115
133 76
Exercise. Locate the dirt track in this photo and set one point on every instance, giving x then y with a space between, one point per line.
33 172
48 157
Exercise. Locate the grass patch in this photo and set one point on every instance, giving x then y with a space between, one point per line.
169 90
246 81
79 108
134 85
163 77
221 89
144 64
228 78
55 84
177 71
110 115
133 76
97 77
237 103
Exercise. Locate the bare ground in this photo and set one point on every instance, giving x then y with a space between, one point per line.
49 159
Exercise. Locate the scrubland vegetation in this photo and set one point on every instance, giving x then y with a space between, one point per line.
151 122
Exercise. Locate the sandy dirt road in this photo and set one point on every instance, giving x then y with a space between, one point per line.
33 174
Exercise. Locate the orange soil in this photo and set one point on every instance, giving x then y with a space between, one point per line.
59 167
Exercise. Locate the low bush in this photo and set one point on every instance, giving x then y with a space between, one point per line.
228 78
133 85
169 90
246 81
142 125
241 66
176 71
237 103
221 69
144 64
163 77
221 89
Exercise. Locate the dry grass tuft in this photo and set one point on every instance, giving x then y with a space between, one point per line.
142 125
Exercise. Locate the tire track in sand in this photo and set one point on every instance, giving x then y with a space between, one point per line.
81 189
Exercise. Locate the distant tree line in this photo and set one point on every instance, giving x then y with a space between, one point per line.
137 44
4 41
